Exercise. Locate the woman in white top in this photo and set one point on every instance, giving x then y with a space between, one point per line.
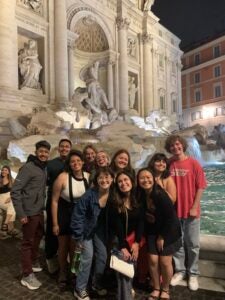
67 190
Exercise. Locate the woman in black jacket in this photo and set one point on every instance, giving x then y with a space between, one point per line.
162 229
126 221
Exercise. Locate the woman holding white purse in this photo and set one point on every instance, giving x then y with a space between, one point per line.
126 220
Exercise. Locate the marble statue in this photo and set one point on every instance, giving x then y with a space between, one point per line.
96 103
95 91
157 122
132 90
131 47
16 128
36 5
148 4
29 66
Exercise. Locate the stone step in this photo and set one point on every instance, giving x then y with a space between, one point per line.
212 268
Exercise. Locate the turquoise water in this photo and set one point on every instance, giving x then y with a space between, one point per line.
213 201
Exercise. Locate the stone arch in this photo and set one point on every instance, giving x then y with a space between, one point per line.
75 14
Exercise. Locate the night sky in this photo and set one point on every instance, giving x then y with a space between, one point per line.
191 20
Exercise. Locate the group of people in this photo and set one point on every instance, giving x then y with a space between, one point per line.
95 203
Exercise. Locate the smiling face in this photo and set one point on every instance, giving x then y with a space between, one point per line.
76 164
160 166
124 183
104 181
42 154
90 155
145 180
122 160
4 172
64 149
177 149
102 159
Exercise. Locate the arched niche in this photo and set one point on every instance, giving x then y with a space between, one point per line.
94 42
75 15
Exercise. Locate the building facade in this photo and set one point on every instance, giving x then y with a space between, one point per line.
46 45
203 84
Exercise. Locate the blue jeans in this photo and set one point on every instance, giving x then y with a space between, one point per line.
190 247
93 247
124 287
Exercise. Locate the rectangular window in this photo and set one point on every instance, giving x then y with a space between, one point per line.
197 77
216 51
193 117
217 71
161 60
174 106
217 91
198 96
218 111
162 102
196 115
197 59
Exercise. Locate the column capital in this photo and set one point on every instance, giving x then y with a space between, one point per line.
122 23
111 61
146 38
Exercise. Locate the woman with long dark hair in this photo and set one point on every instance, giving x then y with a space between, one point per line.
162 229
159 165
127 218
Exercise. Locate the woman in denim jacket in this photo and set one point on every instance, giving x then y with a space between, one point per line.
90 231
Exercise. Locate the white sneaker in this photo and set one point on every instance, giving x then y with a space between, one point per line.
177 277
193 283
31 282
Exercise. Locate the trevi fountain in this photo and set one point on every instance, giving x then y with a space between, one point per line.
103 72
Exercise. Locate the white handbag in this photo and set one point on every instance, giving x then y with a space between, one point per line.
121 266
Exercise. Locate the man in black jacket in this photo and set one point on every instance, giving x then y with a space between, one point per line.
54 168
28 196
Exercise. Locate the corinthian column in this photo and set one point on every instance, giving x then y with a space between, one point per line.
147 76
8 45
110 82
61 56
122 24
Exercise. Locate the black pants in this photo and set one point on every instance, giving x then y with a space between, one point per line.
51 240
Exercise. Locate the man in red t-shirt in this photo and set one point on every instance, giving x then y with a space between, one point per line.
190 182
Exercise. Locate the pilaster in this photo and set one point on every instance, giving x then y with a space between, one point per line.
122 25
61 55
8 45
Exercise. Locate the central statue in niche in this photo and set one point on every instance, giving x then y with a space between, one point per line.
94 98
